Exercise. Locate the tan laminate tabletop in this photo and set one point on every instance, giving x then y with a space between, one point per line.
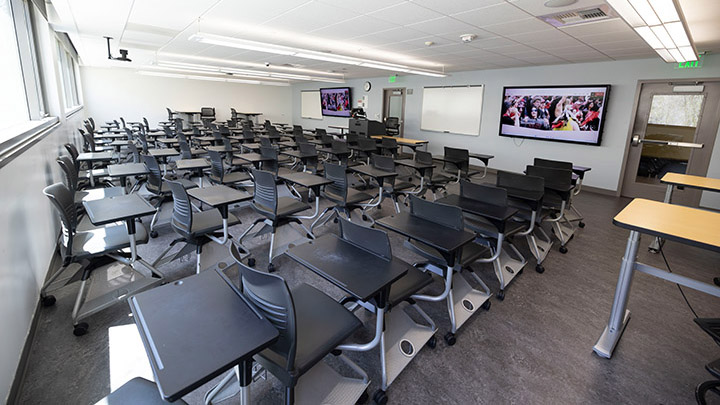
406 141
687 225
702 183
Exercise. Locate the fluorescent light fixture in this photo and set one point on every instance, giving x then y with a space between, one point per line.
210 78
192 67
304 53
660 24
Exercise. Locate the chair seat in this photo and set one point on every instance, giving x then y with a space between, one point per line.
403 185
98 194
136 391
97 173
286 206
353 197
470 252
322 324
107 238
210 221
412 282
187 183
231 178
486 228
439 178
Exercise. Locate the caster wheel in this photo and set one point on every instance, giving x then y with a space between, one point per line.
540 269
335 220
450 339
501 295
271 268
716 280
432 342
563 249
153 234
380 397
139 220
520 272
80 329
364 217
363 398
581 224
251 262
486 305
48 300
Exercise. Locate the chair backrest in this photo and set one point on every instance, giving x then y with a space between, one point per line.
182 137
271 153
233 113
423 157
134 152
170 114
374 240
178 124
185 152
89 141
557 164
306 148
72 150
273 132
265 190
154 178
265 142
216 164
519 181
367 143
91 121
143 140
552 176
70 173
248 133
446 215
124 126
392 122
320 132
88 127
352 139
207 112
64 202
338 175
146 124
196 131
300 137
457 153
218 137
168 132
129 133
270 294
383 162
181 219
484 192
339 146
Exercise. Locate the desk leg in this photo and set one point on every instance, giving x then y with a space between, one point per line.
619 316
245 376
657 243
90 172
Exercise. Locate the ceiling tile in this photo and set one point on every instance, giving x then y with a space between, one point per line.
455 6
494 42
230 13
443 25
518 27
614 26
405 13
361 7
167 13
115 14
390 36
309 17
355 27
490 15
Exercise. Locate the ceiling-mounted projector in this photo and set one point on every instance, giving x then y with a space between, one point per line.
123 53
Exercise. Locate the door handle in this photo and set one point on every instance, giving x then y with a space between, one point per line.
637 141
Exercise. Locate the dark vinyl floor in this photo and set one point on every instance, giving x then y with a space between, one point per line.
535 347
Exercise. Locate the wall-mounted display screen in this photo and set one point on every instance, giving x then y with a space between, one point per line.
336 102
574 114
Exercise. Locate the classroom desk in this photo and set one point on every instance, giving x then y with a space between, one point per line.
690 226
410 143
125 170
251 116
421 168
339 127
378 175
190 114
221 149
163 152
310 181
302 157
168 142
255 158
683 180
94 157
195 329
198 165
485 159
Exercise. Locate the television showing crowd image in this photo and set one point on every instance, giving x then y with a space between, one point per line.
573 114
336 102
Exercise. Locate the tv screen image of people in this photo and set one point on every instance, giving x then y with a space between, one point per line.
561 113
336 102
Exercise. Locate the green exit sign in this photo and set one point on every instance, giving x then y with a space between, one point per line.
691 65
392 79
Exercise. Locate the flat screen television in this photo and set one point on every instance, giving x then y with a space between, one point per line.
336 102
574 114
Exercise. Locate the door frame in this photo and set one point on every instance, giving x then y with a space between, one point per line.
401 134
633 117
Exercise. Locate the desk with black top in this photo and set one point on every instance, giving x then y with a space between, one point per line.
342 129
410 143
116 285
310 181
163 154
195 329
220 197
222 149
690 226
251 116
680 180
198 165
94 157
421 168
125 170
378 175
300 156
485 159
255 158
168 142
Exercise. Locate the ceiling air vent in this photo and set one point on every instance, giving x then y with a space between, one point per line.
575 17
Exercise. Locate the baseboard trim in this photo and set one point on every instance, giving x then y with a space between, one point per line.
19 380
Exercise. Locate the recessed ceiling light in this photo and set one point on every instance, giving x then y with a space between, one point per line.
559 3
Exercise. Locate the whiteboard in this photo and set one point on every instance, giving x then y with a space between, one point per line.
454 109
310 104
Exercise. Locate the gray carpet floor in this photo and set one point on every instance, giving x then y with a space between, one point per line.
533 347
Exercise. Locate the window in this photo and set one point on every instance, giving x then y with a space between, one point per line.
13 103
67 69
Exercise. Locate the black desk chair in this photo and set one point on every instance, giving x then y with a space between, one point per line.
711 326
506 259
389 147
218 175
193 227
70 175
310 323
324 140
365 148
312 162
434 181
558 189
392 187
275 210
577 216
530 211
392 126
136 391
159 189
84 175
339 152
343 197
76 246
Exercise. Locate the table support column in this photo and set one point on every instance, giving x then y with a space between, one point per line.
657 243
619 315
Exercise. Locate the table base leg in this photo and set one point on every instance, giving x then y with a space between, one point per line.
609 339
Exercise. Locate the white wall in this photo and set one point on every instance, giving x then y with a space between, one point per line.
513 154
120 92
